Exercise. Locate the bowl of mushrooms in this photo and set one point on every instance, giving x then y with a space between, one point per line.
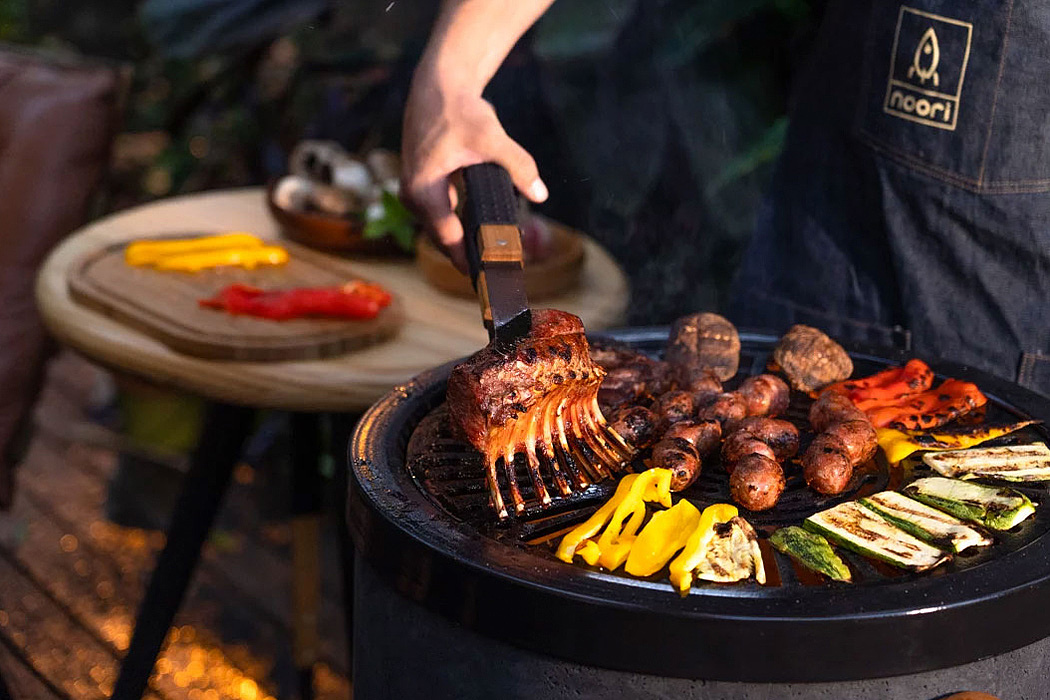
336 201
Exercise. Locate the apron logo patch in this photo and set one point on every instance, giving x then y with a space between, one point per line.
927 67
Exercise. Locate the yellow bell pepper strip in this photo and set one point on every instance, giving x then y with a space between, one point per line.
665 533
684 564
150 252
897 445
248 258
590 552
627 503
590 527
658 489
618 537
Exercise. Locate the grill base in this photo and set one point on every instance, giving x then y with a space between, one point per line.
489 580
402 650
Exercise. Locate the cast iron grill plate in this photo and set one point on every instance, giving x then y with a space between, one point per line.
420 513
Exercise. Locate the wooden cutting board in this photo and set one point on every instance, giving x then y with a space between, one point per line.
165 306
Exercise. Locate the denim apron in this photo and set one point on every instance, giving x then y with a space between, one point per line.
911 205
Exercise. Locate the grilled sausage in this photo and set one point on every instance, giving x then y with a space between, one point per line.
610 355
765 395
728 409
703 385
833 408
621 385
703 435
741 444
858 436
674 407
826 465
660 378
757 482
636 425
780 435
678 455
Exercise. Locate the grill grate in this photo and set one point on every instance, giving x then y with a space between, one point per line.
452 475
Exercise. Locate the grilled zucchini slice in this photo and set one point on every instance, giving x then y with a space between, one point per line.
926 523
994 507
811 551
857 528
1008 463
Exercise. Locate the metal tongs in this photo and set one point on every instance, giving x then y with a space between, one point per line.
563 439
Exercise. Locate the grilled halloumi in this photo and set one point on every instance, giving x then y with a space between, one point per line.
1009 463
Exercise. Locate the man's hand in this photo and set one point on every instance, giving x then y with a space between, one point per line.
448 125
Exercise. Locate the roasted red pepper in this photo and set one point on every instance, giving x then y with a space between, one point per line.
354 300
886 386
930 408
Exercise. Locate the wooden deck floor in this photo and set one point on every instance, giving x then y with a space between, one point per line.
70 580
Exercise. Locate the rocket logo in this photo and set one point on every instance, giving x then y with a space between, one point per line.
927 52
927 68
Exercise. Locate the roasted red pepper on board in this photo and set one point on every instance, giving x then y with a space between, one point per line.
930 408
354 300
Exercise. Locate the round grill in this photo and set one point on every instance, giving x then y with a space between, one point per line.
420 513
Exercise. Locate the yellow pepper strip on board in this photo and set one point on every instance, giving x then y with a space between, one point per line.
665 533
248 258
150 251
627 503
684 564
897 445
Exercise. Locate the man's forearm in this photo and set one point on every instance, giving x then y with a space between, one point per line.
472 37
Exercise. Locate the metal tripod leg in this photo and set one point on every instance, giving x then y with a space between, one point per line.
224 432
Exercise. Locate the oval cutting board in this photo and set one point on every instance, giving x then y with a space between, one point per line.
165 306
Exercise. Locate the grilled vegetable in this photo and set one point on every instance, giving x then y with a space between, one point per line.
149 252
811 551
860 530
899 444
888 385
926 523
665 533
1009 463
248 258
732 554
632 493
683 566
993 507
930 408
353 300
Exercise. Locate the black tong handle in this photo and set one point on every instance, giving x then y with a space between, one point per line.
490 199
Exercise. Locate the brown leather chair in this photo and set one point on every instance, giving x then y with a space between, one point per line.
57 123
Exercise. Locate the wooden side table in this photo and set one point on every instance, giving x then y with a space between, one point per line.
437 329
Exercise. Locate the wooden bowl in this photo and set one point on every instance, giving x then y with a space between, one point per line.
556 274
329 233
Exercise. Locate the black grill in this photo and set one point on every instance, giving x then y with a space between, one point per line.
420 513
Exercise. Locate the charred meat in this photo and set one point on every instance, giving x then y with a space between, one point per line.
810 359
540 400
704 343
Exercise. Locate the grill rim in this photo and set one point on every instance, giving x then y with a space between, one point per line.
558 609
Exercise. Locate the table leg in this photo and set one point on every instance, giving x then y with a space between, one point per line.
306 546
225 430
